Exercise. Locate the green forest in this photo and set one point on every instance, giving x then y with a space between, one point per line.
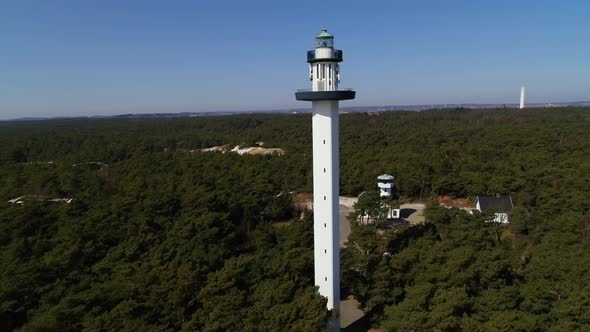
160 236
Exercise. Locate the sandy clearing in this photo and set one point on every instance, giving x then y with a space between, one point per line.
254 150
413 212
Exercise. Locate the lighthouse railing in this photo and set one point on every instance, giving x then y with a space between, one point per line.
311 90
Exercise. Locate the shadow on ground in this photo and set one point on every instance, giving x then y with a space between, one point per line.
405 213
392 223
361 325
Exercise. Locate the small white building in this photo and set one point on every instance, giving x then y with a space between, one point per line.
386 184
500 206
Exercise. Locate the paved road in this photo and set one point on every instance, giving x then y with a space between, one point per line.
413 212
349 311
344 224
351 317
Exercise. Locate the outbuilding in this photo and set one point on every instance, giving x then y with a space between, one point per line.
500 206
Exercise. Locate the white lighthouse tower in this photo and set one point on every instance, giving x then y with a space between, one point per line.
522 97
324 73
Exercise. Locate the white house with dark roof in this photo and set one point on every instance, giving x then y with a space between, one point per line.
500 206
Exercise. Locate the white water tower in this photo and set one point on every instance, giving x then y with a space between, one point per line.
324 73
386 183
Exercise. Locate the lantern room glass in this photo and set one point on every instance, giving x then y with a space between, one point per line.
324 39
324 42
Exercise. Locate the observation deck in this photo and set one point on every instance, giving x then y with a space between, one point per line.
310 95
336 56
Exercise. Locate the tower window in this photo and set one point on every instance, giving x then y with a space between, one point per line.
325 225
325 251
324 141
326 279
324 170
324 198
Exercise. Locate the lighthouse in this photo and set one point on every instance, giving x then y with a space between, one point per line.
324 74
522 97
386 184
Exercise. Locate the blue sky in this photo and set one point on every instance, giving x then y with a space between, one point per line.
69 58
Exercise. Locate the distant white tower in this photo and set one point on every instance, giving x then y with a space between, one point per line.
385 184
324 73
521 97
